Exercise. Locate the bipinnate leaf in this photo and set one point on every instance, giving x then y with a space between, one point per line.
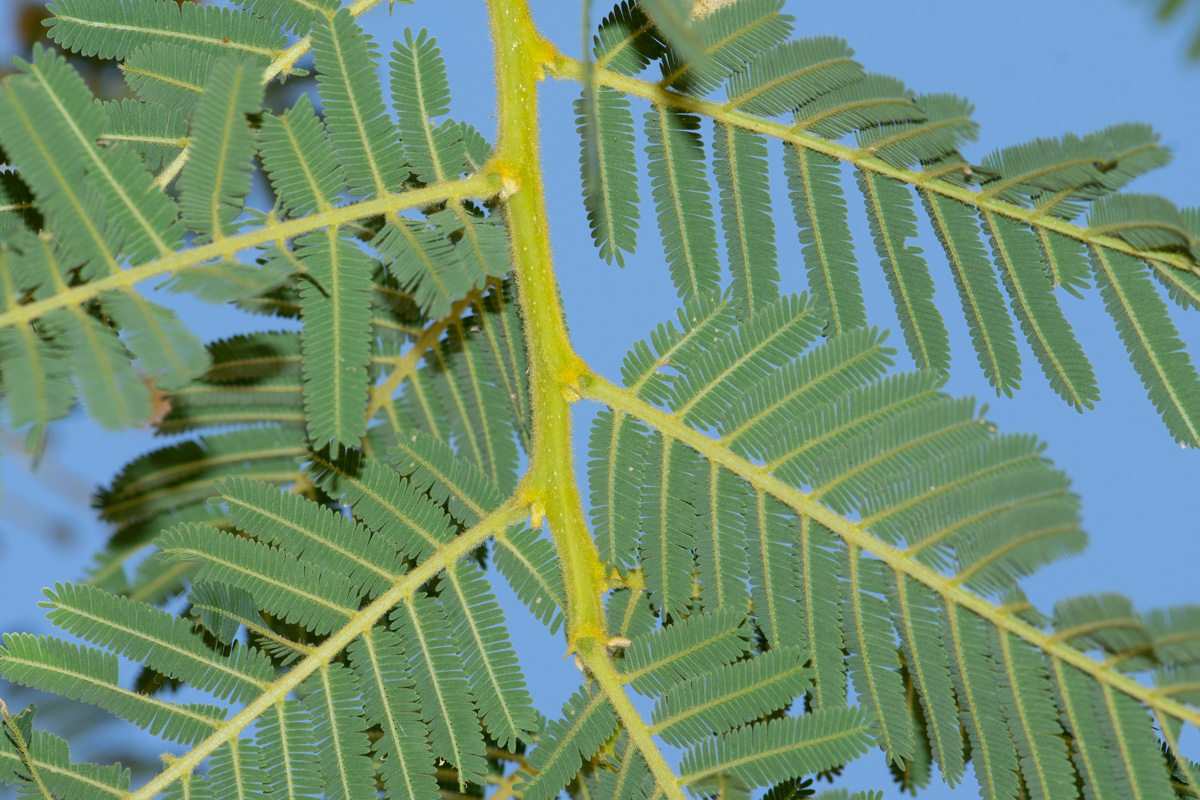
216 178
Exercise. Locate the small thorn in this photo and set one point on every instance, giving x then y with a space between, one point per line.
616 643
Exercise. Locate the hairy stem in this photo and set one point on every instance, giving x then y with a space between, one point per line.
595 658
550 486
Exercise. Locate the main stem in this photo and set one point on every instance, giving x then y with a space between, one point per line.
554 369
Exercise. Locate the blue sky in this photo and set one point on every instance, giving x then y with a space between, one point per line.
1031 68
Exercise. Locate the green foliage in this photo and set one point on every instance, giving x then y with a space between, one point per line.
796 553
1025 197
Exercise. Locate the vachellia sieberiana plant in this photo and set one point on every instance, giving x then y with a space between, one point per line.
781 553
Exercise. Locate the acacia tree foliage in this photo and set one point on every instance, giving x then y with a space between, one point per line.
796 552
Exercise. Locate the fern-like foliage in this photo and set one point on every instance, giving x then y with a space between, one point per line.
1026 202
797 554
946 513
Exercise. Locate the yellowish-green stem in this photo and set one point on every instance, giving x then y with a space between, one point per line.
554 369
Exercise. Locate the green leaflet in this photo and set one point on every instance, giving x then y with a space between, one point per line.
336 313
1058 175
1130 736
618 448
216 178
916 614
1082 719
248 357
1066 261
203 405
946 126
300 160
412 526
342 756
1182 287
383 674
668 524
628 613
90 675
820 210
110 388
298 16
1106 621
503 702
182 474
874 665
991 329
51 759
774 571
681 190
235 770
50 110
1033 720
893 221
792 74
782 748
114 30
1142 220
361 132
822 613
295 591
154 334
588 721
442 687
421 91
157 133
157 639
730 36
610 195
877 459
424 260
36 378
16 204
874 100
309 531
731 696
1152 342
721 536
627 40
788 394
1175 632
684 649
992 751
798 450
71 341
631 781
1048 332
174 76
530 564
673 18
699 322
461 387
432 466
741 172
714 375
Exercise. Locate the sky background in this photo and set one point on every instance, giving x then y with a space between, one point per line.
1031 68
